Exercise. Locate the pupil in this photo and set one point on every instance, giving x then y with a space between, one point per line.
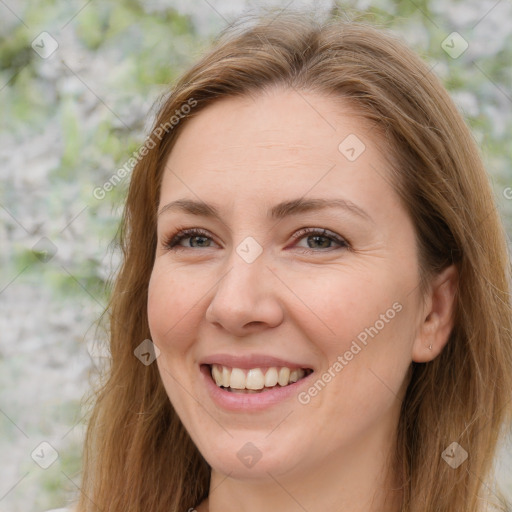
321 237
203 238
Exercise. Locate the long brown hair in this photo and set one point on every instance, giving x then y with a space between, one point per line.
138 456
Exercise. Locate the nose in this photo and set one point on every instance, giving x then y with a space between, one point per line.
245 299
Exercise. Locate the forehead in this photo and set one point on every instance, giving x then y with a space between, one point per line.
279 144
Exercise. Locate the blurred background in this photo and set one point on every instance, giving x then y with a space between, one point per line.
78 83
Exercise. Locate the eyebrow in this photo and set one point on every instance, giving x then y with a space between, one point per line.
277 212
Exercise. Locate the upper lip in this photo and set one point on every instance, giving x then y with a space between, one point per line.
249 361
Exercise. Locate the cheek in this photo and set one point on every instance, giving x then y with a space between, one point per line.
342 305
169 318
170 302
365 329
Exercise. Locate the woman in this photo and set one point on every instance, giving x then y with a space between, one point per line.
255 370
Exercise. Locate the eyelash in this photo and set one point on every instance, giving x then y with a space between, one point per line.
172 242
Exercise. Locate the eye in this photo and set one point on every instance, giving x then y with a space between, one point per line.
321 239
199 238
196 236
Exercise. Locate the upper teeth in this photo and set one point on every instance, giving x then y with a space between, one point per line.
255 378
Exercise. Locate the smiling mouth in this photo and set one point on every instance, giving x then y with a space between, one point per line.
255 380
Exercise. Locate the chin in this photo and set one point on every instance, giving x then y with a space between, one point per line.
242 458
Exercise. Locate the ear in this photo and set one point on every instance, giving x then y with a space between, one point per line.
437 319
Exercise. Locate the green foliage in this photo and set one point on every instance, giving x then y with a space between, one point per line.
15 51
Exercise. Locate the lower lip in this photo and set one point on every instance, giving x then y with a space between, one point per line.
250 401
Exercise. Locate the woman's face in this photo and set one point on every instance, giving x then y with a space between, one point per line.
274 282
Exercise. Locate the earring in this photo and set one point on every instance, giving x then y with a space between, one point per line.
430 347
